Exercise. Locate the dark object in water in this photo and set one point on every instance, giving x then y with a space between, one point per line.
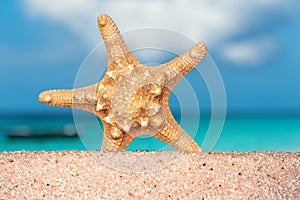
36 132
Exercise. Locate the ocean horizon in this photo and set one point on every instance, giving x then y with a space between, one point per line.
260 133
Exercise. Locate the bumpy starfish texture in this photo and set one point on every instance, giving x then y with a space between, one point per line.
132 99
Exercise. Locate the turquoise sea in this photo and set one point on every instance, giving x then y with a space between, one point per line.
238 134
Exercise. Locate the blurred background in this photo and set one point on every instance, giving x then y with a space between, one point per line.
254 44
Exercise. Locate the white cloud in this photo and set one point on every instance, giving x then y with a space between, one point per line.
250 52
214 22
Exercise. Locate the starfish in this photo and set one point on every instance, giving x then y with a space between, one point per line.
132 99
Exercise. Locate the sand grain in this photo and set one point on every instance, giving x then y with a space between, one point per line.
79 175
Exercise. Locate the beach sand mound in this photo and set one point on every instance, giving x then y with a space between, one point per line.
149 175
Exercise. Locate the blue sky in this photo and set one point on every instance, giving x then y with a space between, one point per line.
255 45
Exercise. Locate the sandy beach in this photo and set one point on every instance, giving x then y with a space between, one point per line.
99 175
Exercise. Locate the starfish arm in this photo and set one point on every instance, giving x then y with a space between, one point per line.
176 137
172 133
81 98
118 54
187 61
114 139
